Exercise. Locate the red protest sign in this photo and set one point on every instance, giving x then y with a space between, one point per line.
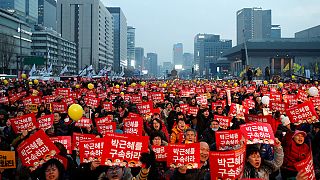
4 100
106 128
45 122
48 99
193 111
185 93
184 108
256 118
65 140
160 152
302 112
121 148
77 137
136 98
61 107
93 102
184 154
306 166
228 140
224 121
69 100
302 95
36 150
257 133
107 106
227 164
202 100
278 106
145 107
65 92
157 96
83 122
133 126
218 103
91 150
315 101
26 122
275 97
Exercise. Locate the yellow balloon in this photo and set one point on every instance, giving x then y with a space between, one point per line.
5 82
293 76
265 82
30 83
75 112
228 80
90 86
316 82
122 93
235 84
35 81
133 84
164 85
117 86
24 76
280 84
124 83
271 80
77 86
143 83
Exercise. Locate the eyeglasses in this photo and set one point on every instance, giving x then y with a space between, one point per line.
115 168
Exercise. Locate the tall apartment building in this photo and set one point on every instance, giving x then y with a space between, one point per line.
178 54
56 50
139 57
47 13
120 39
131 46
89 24
253 23
152 59
26 10
207 49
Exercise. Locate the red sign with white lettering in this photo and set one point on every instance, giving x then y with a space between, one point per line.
302 113
26 122
65 140
45 122
133 126
184 154
257 133
228 140
91 150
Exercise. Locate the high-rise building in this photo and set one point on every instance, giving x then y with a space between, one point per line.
187 60
47 13
207 49
15 42
253 23
152 59
120 39
56 50
89 24
178 55
139 58
313 32
26 10
131 46
275 31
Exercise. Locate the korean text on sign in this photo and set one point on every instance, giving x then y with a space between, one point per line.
123 149
184 154
257 133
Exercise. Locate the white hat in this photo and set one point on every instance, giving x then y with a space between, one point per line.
285 120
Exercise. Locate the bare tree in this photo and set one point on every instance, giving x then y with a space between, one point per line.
7 45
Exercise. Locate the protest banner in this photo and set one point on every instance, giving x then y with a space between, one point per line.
92 102
83 122
227 164
145 107
257 133
160 152
183 154
224 121
36 150
136 98
48 99
107 106
124 150
133 126
306 166
60 107
45 122
104 128
65 92
157 96
77 137
7 159
193 111
228 139
26 122
278 106
65 141
302 113
91 150
249 103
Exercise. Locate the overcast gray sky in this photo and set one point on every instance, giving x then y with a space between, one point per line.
161 23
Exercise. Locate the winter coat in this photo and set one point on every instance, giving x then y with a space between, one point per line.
266 167
177 135
293 152
193 174
143 174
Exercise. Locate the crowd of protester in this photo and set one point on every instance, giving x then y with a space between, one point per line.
170 124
